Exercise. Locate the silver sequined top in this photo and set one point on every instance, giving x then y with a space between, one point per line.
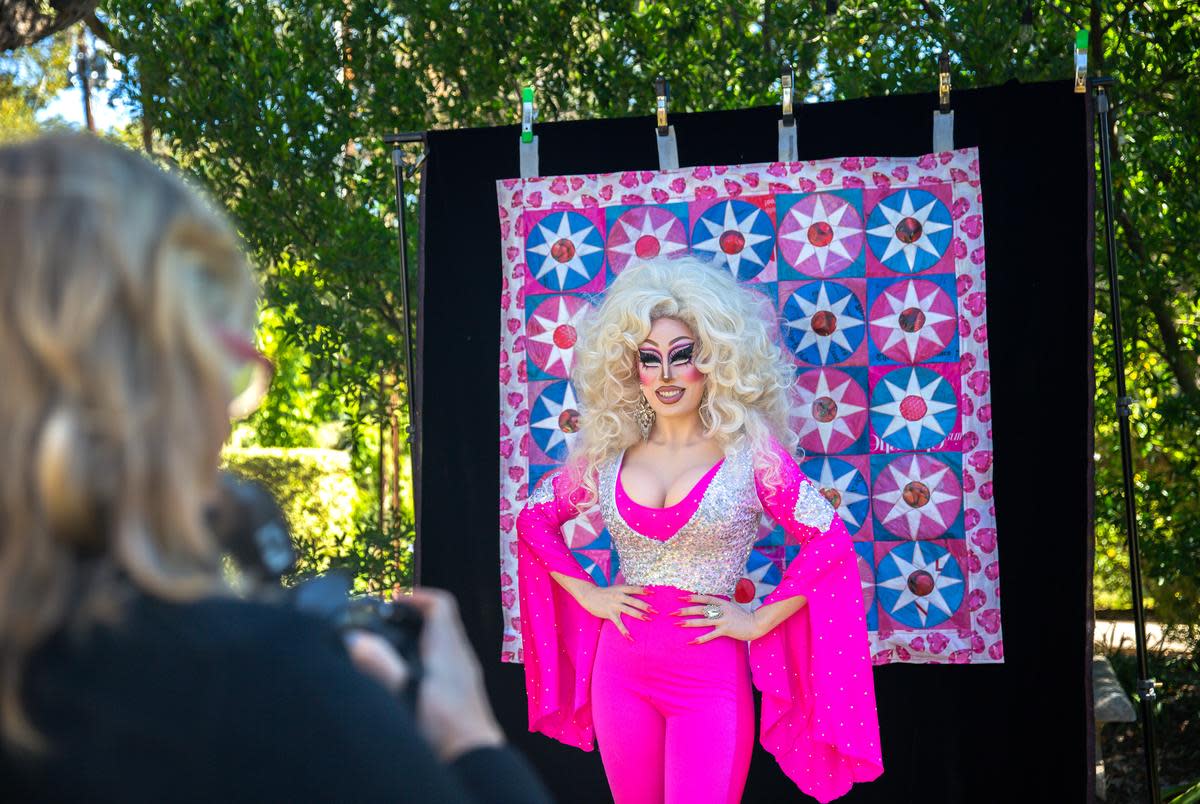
708 554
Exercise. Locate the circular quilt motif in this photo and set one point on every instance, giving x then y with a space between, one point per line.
916 497
554 419
644 233
919 584
830 412
582 532
821 234
737 235
909 230
823 323
761 578
551 332
912 320
913 408
844 487
866 577
564 251
602 565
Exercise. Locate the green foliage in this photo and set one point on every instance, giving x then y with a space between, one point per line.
334 525
382 558
278 107
29 80
1184 794
1154 50
317 494
294 413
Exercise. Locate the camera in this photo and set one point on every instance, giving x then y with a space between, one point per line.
249 525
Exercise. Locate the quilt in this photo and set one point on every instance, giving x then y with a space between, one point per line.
876 269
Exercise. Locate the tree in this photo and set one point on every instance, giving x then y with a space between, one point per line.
29 81
278 106
24 22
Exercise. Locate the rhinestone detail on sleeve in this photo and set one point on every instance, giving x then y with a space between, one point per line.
544 492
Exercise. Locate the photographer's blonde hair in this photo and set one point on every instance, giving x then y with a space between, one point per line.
749 378
114 278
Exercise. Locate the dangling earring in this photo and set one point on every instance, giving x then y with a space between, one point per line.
704 419
644 415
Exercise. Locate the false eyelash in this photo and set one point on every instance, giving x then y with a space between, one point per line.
684 354
649 359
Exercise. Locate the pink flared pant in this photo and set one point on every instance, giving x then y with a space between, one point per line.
675 722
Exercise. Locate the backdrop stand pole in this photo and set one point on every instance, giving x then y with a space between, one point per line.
413 426
1145 684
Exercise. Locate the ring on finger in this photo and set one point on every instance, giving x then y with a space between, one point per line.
712 611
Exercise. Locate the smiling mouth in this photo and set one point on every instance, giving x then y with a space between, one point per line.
669 394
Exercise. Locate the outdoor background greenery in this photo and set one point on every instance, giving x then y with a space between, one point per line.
277 107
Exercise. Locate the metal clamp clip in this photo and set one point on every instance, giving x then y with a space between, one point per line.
668 151
943 116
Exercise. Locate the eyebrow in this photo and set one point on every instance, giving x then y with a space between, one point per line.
680 338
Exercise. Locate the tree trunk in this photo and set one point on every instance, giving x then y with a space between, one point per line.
23 22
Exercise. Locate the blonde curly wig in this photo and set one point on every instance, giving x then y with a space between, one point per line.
748 377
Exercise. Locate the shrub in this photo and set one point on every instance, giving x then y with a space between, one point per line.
316 490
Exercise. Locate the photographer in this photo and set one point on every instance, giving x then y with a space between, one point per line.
128 670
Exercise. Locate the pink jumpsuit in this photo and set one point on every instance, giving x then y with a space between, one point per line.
674 721
660 703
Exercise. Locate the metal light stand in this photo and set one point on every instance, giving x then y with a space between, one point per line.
397 141
1145 685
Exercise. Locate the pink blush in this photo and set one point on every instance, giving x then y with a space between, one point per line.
687 373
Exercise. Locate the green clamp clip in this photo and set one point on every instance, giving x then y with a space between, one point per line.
1081 49
528 113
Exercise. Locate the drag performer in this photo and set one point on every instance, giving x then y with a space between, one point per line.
683 445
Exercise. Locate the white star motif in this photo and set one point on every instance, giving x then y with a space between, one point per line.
579 532
822 214
912 340
667 248
827 480
553 411
867 584
837 424
580 249
921 216
940 581
844 320
730 223
914 426
563 317
761 587
900 507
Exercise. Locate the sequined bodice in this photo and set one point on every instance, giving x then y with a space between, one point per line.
708 553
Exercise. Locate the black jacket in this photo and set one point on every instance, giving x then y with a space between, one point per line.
226 701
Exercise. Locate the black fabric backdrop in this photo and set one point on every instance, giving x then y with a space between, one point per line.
1008 732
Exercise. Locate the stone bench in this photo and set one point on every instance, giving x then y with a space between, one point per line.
1112 705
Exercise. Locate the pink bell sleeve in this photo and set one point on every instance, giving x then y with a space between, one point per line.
557 634
814 669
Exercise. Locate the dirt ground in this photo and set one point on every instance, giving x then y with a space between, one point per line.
1174 660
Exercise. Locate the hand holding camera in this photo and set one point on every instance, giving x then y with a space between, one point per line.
414 646
452 707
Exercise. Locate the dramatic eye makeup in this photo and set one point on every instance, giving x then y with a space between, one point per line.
649 358
683 354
